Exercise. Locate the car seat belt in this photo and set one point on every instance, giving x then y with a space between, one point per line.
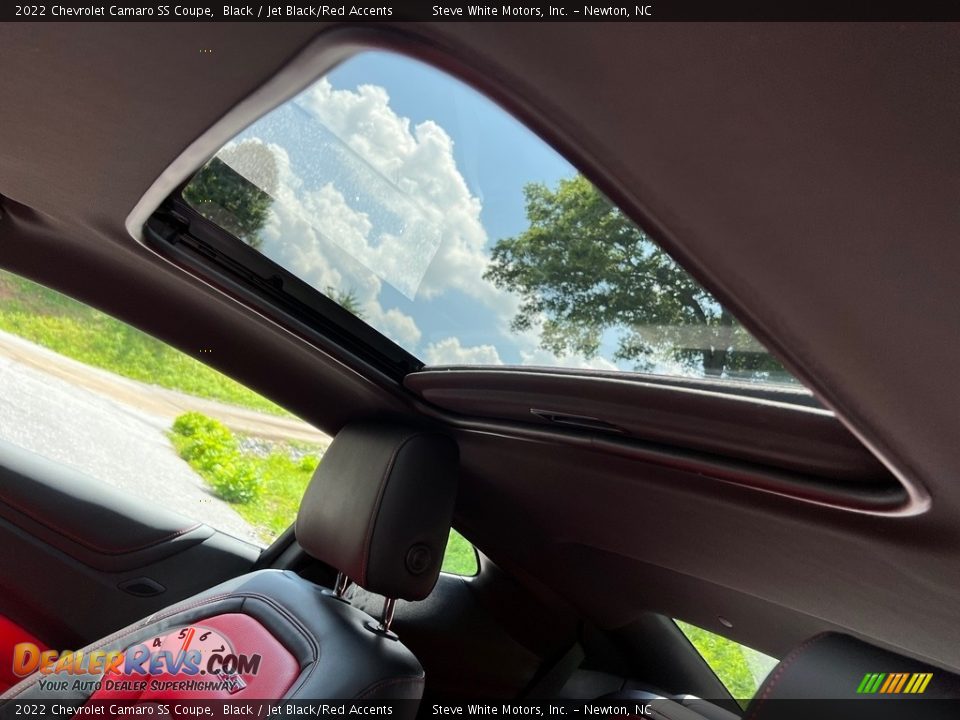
550 679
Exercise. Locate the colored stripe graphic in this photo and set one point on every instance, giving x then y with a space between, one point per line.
892 678
894 683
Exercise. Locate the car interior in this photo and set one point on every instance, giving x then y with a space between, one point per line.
802 504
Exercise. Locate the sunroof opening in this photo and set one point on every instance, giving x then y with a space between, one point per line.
445 224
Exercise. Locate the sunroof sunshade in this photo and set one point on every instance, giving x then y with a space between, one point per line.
438 219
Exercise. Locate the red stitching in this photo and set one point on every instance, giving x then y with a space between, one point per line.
779 672
86 543
175 610
32 680
377 686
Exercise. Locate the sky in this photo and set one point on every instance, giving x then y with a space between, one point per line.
392 181
395 181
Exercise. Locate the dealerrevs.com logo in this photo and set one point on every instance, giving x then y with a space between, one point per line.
189 659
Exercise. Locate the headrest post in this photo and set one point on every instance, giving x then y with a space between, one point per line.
342 584
386 618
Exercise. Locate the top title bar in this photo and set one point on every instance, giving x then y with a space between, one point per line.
417 10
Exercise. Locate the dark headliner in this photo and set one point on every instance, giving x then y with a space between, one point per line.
808 174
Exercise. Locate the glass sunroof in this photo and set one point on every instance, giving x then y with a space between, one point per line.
433 215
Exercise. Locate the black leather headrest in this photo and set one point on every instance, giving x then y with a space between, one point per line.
380 505
835 667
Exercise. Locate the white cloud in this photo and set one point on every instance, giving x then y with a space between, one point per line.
450 352
320 236
545 358
396 325
528 346
394 208
417 162
291 239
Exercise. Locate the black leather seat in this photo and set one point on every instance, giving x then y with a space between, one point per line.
379 510
663 706
827 677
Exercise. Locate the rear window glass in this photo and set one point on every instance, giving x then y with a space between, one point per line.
741 669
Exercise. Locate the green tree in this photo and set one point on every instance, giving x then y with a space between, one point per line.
582 269
226 197
347 299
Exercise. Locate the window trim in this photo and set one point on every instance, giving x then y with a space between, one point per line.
182 235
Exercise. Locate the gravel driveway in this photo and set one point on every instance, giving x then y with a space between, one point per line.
108 440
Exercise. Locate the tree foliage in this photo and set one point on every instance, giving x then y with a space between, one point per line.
228 198
347 299
583 271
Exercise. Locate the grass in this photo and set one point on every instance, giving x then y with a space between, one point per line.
265 487
284 481
740 669
77 331
460 558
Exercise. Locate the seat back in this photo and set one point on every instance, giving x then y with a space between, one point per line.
379 510
837 675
